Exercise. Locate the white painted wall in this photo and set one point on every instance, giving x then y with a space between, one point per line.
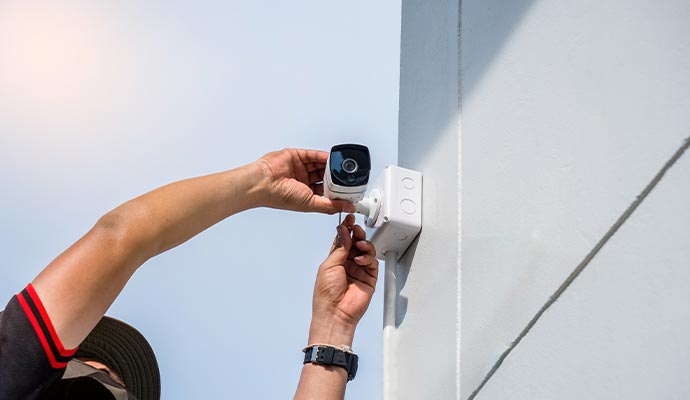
424 347
568 110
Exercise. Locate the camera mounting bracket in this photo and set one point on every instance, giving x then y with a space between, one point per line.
393 210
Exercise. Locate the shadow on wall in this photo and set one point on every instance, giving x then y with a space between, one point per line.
486 28
402 271
429 74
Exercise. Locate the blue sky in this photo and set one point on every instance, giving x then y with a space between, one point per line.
100 102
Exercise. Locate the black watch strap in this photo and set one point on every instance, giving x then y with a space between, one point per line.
327 355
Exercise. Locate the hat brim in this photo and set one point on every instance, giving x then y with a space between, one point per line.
124 349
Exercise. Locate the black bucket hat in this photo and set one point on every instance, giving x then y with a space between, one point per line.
125 350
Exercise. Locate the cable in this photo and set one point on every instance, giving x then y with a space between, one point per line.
390 294
390 289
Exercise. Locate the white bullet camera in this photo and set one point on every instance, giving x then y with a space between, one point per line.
347 172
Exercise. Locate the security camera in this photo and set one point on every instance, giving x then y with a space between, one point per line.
347 172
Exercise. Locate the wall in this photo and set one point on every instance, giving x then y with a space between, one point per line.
425 343
568 110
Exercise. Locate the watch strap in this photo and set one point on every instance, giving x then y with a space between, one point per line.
328 355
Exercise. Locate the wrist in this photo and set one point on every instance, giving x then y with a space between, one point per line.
331 331
257 175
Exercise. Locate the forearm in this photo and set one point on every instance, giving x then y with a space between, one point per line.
81 284
172 214
343 290
321 382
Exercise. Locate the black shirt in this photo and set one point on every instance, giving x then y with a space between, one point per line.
31 354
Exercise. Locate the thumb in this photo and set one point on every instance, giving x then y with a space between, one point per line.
341 244
327 206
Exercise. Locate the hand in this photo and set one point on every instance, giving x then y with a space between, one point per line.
294 182
344 286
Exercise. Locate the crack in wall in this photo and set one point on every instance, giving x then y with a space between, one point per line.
583 264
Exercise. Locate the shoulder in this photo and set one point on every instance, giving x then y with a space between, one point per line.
31 355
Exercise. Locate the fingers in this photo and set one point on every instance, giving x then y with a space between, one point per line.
315 176
366 247
343 206
368 257
328 206
341 243
345 238
349 221
317 188
358 233
311 167
312 156
299 167
367 261
357 237
359 246
301 174
350 247
342 238
313 163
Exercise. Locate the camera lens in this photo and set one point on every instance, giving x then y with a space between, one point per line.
349 165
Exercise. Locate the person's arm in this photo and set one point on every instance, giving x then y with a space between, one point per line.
79 285
344 287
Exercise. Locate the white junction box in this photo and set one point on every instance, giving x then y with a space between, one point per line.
398 216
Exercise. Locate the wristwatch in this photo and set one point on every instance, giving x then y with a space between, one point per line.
327 355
